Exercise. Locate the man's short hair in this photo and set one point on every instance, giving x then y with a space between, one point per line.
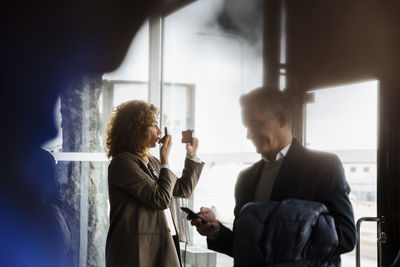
268 99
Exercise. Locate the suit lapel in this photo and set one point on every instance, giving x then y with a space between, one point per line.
283 182
142 165
260 168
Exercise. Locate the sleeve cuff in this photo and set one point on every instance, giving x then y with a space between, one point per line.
194 158
165 166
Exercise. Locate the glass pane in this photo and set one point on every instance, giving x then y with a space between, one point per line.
81 116
84 192
55 145
125 91
343 120
130 80
210 59
178 112
135 66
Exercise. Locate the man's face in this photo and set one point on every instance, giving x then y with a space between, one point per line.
264 129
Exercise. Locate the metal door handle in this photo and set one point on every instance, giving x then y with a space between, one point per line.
381 239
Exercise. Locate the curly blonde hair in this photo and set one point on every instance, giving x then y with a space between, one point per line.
128 129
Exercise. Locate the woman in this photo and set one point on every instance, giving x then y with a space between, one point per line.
141 189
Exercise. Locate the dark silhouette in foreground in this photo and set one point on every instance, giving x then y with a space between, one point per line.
45 47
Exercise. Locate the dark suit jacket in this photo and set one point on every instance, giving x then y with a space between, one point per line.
307 175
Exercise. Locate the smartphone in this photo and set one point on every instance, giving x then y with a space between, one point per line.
161 140
187 136
192 214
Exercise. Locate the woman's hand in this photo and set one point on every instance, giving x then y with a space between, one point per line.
191 148
165 148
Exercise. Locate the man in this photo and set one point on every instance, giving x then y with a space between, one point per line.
287 170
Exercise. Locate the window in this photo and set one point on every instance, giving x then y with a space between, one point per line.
82 115
205 70
343 120
206 67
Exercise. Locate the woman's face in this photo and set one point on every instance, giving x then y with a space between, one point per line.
155 133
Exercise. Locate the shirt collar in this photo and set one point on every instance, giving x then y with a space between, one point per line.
145 162
281 153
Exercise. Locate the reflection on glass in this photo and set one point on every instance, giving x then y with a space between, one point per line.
343 120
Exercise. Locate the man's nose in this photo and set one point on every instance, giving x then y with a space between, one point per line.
158 130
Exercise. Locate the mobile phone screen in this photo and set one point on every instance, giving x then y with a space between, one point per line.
165 131
192 214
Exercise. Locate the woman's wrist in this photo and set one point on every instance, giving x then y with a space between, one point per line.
190 155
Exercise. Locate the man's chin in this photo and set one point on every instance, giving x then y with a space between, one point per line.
259 150
262 151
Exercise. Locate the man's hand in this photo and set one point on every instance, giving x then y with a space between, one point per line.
209 229
191 148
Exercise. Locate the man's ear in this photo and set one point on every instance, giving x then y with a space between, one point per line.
282 118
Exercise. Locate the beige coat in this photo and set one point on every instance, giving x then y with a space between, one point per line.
139 235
